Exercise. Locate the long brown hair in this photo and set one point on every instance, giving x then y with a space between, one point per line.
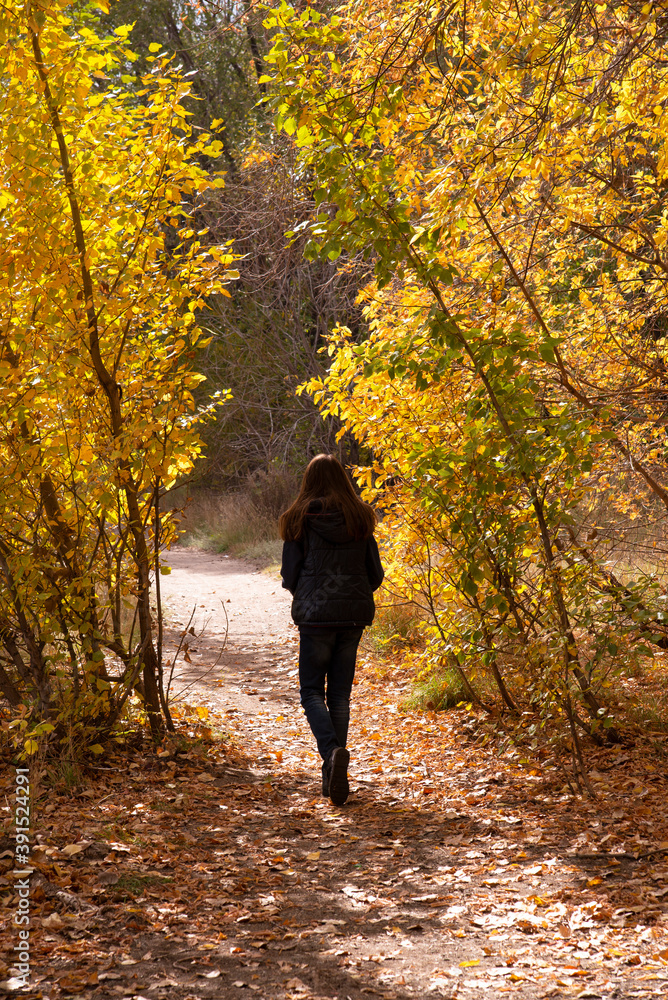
326 480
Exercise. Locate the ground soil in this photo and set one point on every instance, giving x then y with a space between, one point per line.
214 868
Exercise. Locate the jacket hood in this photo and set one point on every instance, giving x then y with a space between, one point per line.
329 524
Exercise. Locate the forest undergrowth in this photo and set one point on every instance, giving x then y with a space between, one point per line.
241 522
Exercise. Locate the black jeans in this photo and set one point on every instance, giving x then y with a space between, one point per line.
328 656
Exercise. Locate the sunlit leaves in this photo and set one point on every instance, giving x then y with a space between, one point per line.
504 168
102 277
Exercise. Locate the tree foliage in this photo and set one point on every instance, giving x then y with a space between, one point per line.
505 166
102 278
219 46
265 339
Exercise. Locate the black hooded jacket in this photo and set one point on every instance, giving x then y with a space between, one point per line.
331 576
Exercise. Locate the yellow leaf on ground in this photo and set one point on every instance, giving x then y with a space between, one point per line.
71 849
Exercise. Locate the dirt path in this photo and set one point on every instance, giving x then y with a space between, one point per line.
444 880
243 644
453 870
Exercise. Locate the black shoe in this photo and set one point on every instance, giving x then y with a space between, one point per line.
325 778
338 776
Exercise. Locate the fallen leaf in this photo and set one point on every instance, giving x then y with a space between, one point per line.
108 878
72 849
71 983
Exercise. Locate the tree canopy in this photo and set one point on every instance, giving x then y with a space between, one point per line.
505 168
472 290
102 277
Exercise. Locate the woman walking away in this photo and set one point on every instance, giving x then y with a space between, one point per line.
331 566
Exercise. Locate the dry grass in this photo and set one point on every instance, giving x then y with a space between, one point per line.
396 627
242 523
643 698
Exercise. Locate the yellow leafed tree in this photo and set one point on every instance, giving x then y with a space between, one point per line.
505 165
101 280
